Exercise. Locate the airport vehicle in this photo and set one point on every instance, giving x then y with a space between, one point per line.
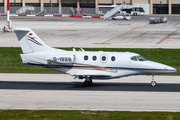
122 17
164 19
86 65
155 20
115 11
133 10
123 9
26 10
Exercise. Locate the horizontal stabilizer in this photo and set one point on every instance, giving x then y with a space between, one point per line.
23 29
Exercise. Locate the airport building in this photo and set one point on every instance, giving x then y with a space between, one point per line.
150 6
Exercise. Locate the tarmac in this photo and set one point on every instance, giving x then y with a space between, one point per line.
62 92
78 32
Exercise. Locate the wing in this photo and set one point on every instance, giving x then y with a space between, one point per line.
91 73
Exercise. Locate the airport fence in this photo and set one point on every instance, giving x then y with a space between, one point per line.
49 10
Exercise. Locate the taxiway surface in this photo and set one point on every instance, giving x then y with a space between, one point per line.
79 32
62 92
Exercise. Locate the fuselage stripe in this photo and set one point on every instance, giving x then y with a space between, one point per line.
109 69
34 41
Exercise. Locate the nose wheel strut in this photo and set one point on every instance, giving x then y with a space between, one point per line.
153 82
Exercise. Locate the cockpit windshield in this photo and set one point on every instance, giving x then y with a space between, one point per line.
138 58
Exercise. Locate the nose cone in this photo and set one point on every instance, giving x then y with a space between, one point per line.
161 68
169 69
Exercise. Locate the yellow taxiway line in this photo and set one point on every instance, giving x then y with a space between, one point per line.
167 36
120 35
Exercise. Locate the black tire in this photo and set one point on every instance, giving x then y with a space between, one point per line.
153 83
87 83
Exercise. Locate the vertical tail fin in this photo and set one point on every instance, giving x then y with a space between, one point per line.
30 42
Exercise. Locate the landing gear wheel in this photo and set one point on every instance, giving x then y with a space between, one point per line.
87 83
91 82
153 83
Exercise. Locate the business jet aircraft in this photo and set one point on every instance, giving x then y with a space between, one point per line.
85 64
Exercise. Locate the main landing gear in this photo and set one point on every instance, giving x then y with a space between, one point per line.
153 83
87 82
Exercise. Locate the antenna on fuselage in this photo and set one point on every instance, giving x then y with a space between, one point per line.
82 49
74 49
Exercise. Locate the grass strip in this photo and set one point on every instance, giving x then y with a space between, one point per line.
85 115
10 61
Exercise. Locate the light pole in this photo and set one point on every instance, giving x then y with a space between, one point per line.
51 6
8 18
7 28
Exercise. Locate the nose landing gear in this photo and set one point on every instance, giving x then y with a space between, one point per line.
153 83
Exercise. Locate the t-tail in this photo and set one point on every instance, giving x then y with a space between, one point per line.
30 42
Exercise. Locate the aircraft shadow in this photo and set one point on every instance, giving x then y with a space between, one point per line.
96 86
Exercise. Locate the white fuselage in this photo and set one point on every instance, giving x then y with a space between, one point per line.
85 64
99 65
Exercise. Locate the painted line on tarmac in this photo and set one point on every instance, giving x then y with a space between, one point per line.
119 35
168 36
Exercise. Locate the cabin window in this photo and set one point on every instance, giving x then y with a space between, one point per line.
103 58
85 57
94 58
113 58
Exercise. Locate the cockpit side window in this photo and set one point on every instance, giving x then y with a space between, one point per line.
141 58
134 58
138 58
